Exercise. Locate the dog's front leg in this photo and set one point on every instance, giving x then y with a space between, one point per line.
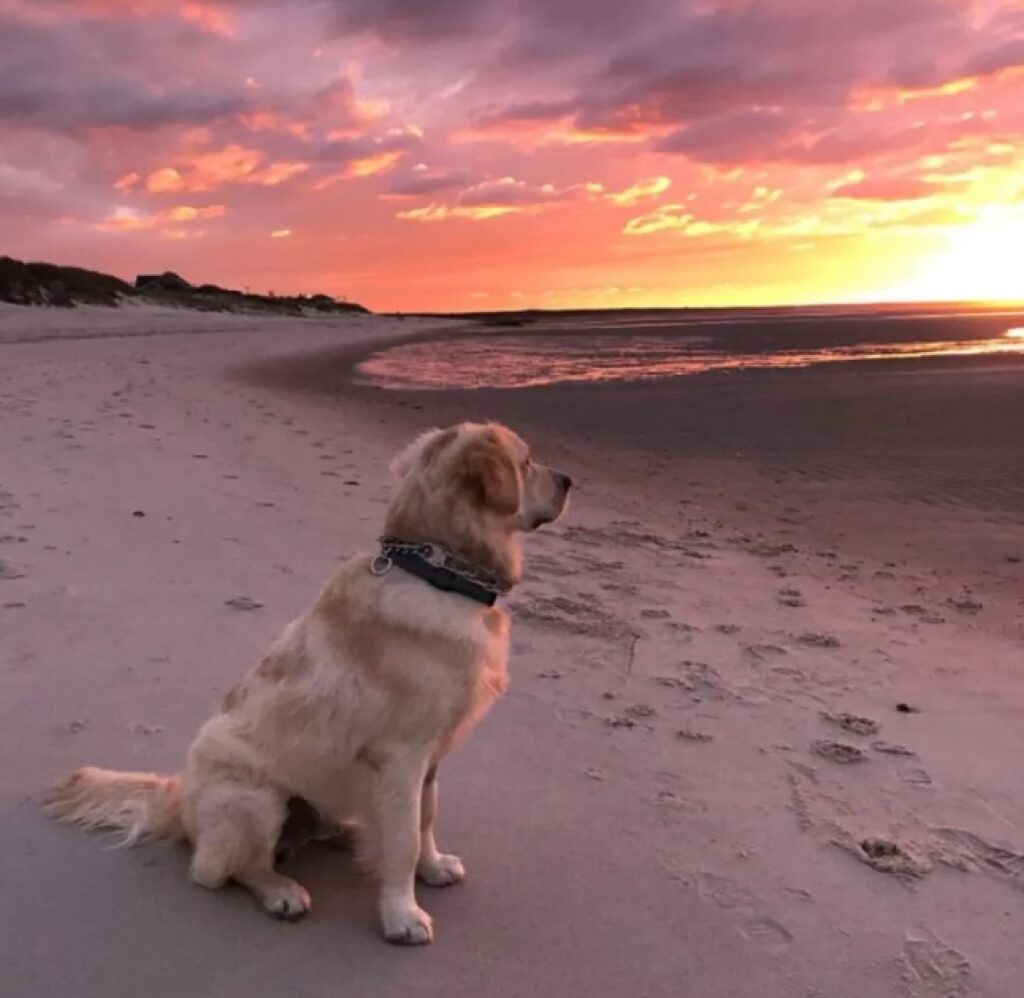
396 814
434 868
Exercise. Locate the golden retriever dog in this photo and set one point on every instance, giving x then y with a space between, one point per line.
357 701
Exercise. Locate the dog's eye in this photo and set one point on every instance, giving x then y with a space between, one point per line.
527 464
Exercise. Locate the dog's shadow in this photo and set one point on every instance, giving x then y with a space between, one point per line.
318 853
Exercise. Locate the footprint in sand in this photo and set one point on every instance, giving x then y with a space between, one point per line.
838 751
762 652
813 640
915 777
931 967
9 571
965 850
852 723
752 923
689 735
889 856
886 748
773 550
243 603
620 722
966 605
669 798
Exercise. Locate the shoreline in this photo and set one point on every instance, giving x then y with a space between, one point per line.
662 781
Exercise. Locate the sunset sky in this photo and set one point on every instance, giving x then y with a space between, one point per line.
479 154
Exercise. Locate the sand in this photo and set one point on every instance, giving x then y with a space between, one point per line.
702 783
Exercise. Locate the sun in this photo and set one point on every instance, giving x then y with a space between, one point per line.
980 262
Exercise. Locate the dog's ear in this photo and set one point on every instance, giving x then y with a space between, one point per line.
489 474
422 450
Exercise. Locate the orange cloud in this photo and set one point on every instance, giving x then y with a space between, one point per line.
428 213
271 121
280 233
642 190
128 181
210 17
186 213
277 173
375 163
335 109
162 181
125 219
529 134
878 98
230 165
667 216
365 166
886 189
477 213
504 196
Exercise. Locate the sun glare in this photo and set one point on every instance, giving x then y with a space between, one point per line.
980 262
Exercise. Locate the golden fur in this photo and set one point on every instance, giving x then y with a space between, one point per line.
357 701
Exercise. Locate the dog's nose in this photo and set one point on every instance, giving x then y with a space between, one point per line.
565 481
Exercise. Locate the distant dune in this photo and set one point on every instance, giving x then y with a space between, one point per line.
66 287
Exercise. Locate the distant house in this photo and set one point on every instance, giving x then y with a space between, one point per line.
164 282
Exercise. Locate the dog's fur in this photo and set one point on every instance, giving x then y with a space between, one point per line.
353 706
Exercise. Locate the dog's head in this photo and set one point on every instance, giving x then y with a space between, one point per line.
472 486
484 469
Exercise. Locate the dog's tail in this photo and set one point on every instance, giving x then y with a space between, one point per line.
142 805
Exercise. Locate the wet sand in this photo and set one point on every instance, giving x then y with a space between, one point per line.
702 782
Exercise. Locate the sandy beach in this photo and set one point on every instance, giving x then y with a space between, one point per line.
773 650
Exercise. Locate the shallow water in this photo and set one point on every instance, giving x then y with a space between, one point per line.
507 361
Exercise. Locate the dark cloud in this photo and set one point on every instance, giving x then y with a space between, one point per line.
772 79
427 182
410 20
734 137
528 112
65 78
500 192
1008 55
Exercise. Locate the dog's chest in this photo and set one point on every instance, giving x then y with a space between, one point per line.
476 694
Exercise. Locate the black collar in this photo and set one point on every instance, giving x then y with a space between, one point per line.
437 566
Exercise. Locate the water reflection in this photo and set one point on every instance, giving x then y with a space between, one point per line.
522 361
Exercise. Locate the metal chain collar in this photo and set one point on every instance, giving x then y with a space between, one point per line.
440 557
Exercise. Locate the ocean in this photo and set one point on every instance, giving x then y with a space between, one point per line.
546 349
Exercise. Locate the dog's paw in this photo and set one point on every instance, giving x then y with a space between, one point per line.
287 902
406 924
441 870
